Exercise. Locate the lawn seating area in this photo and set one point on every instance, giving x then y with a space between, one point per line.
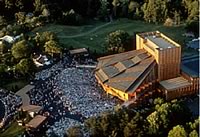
93 36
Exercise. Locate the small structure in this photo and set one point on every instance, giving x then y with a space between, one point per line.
78 51
31 109
41 60
9 39
36 123
171 87
194 44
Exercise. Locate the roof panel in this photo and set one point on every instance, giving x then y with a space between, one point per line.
120 66
136 60
175 83
110 71
102 76
123 70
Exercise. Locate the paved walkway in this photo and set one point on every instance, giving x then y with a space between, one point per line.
23 94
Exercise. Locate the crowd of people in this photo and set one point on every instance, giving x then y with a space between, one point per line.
10 104
69 95
62 125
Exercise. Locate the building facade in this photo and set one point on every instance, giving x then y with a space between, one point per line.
154 66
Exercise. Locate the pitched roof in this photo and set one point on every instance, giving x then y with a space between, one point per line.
124 71
31 108
78 51
36 121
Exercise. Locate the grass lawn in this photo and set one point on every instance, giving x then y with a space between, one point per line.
94 38
9 84
13 130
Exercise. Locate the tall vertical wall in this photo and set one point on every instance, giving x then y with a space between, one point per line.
168 59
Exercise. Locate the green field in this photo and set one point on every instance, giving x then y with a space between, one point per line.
93 36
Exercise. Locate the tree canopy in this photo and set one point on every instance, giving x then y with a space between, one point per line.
25 66
21 49
74 132
116 41
160 120
177 131
52 47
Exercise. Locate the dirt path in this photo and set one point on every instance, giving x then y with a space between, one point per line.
86 33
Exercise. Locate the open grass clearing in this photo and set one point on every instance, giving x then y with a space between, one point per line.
94 38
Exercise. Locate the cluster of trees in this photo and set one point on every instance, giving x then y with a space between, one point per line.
33 13
47 42
16 59
166 119
149 10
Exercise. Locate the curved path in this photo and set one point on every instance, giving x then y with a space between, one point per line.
86 33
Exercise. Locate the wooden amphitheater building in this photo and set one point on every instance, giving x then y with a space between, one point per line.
153 67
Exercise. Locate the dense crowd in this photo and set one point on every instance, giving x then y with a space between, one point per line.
69 94
11 103
62 125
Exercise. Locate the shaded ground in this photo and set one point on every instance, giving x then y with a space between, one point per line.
193 105
2 110
190 65
14 85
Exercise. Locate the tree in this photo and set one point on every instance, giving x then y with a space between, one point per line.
52 47
45 11
193 125
38 4
20 4
116 41
25 66
135 127
155 10
177 18
2 21
134 9
3 48
74 132
21 49
177 131
9 4
103 10
42 38
192 7
3 69
20 17
193 134
116 4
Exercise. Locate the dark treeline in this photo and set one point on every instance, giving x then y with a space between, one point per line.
149 10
